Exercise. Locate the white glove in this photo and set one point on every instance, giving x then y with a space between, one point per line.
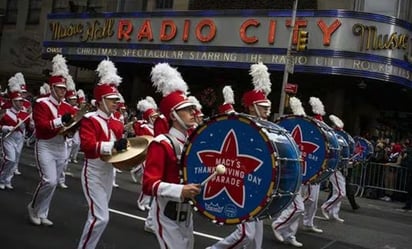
6 128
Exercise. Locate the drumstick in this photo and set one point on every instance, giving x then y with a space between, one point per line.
219 170
17 126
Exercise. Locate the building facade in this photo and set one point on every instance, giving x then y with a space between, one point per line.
358 59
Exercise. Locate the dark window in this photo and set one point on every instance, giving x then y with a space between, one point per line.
33 17
164 4
77 6
11 12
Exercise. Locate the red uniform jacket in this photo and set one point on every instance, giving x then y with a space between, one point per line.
12 117
96 134
45 115
119 116
143 128
161 166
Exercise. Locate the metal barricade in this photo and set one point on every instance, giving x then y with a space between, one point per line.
385 177
355 177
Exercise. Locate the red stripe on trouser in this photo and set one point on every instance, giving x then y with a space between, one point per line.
36 192
86 183
339 193
290 216
241 237
309 193
160 228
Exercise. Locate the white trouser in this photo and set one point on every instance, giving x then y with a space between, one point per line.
12 147
150 215
50 159
97 178
75 146
332 205
288 221
69 145
174 234
310 194
247 235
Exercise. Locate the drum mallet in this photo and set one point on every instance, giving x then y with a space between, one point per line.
219 170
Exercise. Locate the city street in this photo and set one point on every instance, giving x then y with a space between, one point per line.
376 225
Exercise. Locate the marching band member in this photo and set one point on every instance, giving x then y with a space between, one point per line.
81 102
121 115
198 112
81 98
161 125
148 108
44 92
71 99
310 191
250 234
100 135
285 226
338 124
331 207
162 175
229 101
13 125
50 115
145 127
25 107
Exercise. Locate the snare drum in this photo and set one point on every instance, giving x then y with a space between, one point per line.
318 144
363 149
262 168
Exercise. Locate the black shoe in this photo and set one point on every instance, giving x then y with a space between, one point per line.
355 207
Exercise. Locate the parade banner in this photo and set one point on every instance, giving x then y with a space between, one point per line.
340 42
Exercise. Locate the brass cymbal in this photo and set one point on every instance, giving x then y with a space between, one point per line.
79 115
133 155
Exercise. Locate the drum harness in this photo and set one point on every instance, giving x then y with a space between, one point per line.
178 211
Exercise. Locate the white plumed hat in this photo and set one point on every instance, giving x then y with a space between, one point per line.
296 106
317 108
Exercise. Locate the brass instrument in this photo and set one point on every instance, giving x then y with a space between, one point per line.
71 128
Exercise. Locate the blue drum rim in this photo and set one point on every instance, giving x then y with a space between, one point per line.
274 183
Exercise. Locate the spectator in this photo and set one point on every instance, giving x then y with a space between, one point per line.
407 163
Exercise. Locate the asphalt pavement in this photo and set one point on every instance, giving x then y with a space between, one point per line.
376 225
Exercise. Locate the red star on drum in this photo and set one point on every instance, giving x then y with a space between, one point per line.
238 166
305 147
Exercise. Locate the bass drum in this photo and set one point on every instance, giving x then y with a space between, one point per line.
344 154
262 168
318 144
349 139
363 149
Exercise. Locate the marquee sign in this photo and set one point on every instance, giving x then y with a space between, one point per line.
340 42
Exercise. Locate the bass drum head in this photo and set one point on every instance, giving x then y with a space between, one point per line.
244 147
318 145
363 149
